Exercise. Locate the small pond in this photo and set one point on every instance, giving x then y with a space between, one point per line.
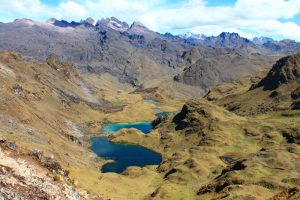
149 101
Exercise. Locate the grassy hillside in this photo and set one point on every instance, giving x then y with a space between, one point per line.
242 144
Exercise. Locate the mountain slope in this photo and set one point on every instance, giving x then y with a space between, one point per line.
284 71
277 90
46 106
221 65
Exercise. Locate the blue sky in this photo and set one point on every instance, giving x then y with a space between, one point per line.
278 19
168 3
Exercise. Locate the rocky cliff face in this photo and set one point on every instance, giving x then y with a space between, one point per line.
24 177
277 89
284 71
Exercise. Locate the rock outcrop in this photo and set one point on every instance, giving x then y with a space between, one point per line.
21 178
285 70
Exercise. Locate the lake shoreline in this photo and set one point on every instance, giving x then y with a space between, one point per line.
133 154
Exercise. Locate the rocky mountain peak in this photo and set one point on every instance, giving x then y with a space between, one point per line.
114 23
283 71
230 36
139 28
89 21
62 23
193 36
23 20
51 20
137 24
261 40
228 40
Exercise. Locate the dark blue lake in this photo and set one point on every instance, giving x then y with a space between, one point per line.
124 155
145 127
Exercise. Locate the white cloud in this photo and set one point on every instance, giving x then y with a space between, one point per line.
128 10
246 17
71 10
25 8
267 9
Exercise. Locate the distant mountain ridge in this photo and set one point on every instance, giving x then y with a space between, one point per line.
136 54
261 40
227 35
263 45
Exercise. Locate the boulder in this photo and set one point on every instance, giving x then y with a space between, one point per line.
12 145
296 93
36 153
296 105
2 139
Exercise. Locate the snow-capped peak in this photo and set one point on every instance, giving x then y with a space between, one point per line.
193 36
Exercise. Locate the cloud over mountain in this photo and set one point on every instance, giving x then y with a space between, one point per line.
249 18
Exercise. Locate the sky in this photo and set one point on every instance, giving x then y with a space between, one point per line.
279 19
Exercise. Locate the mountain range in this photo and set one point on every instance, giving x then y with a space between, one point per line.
137 55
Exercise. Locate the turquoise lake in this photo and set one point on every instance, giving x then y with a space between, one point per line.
145 127
124 155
